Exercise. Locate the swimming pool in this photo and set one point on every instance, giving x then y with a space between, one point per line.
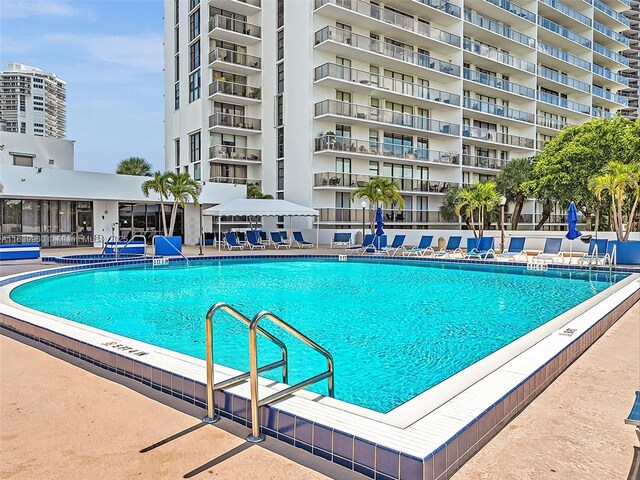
395 329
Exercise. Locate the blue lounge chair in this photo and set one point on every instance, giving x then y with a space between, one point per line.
423 247
231 241
284 236
634 419
342 239
516 249
366 244
242 238
253 240
396 245
300 241
263 236
484 249
453 246
597 252
277 241
551 251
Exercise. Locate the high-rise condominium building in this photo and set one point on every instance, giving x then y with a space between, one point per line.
632 72
32 101
310 99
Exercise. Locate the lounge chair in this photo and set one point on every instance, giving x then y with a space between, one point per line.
366 244
423 247
634 419
484 249
284 236
396 245
231 241
263 236
551 251
277 241
253 240
341 239
242 238
453 247
300 241
516 249
377 246
597 251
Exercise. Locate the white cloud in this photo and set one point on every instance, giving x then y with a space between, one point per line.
14 9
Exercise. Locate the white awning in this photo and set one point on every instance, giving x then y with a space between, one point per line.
260 208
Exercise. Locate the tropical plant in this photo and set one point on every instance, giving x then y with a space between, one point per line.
621 182
510 183
482 197
159 183
253 191
379 191
134 166
182 188
449 204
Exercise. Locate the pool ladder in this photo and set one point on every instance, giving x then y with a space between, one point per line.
254 330
115 245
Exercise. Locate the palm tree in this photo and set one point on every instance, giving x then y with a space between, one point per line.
182 188
509 182
134 166
378 191
467 203
253 191
482 197
159 183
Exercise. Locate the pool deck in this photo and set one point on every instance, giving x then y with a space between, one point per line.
62 421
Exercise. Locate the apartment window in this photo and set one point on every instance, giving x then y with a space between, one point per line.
194 55
23 160
176 12
280 13
280 174
280 78
374 169
279 110
177 151
194 86
52 161
23 126
343 165
193 4
176 100
177 40
280 44
197 172
280 142
194 25
194 147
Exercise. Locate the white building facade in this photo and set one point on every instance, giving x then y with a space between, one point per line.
32 101
311 99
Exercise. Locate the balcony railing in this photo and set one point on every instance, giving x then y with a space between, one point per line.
496 82
601 92
354 180
332 70
493 136
390 117
235 89
382 149
605 72
233 25
515 9
498 28
610 54
443 5
386 49
618 37
402 21
235 121
563 31
551 122
354 216
498 56
483 162
563 79
562 55
499 110
570 12
236 180
563 102
236 58
612 13
235 153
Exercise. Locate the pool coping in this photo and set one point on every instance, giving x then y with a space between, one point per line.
433 447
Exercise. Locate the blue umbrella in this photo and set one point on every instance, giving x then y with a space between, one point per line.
572 220
379 222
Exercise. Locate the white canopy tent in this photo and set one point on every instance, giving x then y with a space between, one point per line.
261 208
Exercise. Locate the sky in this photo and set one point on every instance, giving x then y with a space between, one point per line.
110 54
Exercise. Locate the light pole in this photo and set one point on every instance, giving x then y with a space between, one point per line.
201 229
363 204
503 202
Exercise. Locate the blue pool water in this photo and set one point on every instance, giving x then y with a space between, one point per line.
394 330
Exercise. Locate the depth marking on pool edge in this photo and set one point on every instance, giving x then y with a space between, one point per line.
125 348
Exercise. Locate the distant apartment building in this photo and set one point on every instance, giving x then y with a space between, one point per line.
312 99
632 73
32 101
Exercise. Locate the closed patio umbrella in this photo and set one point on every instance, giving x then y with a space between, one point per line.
572 221
379 225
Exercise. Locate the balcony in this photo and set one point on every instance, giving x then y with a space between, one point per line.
389 17
234 62
483 162
611 13
562 55
498 28
601 92
385 49
235 31
492 136
387 85
499 110
236 180
234 124
553 123
495 82
236 93
564 32
345 216
616 57
352 147
498 56
243 7
563 102
563 79
606 73
618 37
400 121
353 180
515 9
232 154
444 6
568 11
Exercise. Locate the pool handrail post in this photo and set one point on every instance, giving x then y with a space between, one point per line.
144 240
211 416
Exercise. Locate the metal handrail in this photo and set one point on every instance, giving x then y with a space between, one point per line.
211 386
256 436
144 240
153 244
104 247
